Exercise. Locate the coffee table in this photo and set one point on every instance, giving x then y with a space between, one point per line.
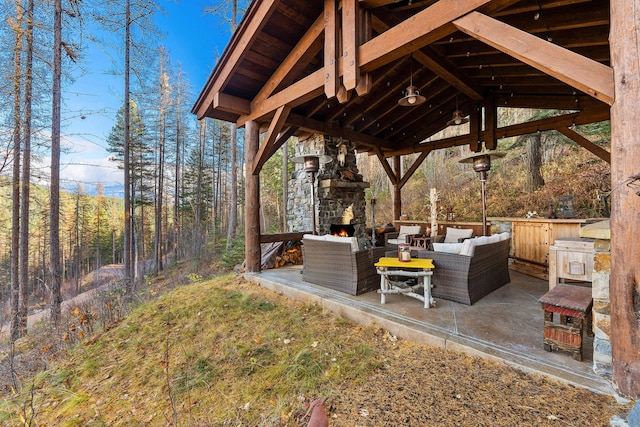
417 267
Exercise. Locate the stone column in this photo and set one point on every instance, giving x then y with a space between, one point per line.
602 356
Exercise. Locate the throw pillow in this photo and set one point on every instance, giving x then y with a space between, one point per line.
453 234
407 230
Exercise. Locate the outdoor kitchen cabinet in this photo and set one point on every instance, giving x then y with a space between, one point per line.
531 239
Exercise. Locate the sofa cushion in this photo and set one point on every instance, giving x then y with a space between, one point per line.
353 241
453 248
467 247
454 234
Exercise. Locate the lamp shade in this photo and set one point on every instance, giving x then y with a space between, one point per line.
412 97
312 162
482 161
457 119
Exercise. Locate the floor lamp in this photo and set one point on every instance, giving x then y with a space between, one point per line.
312 164
482 164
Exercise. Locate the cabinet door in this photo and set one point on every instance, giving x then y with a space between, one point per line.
530 241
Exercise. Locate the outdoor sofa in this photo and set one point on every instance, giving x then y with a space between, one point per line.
338 263
466 272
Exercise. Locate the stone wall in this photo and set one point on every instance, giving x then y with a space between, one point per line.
602 359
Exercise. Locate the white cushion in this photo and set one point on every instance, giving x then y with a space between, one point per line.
353 241
453 234
482 240
312 237
504 236
453 248
467 247
493 239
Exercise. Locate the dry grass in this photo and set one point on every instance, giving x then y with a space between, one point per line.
226 352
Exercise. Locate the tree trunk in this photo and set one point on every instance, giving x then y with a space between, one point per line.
54 208
177 172
534 163
625 206
233 203
128 218
15 194
26 177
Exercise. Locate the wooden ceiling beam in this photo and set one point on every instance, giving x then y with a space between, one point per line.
441 66
231 104
331 75
596 150
577 71
550 123
337 131
350 36
419 30
385 165
559 101
414 166
553 123
536 6
294 95
448 72
268 146
247 33
299 56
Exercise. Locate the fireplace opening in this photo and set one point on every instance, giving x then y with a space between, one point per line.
343 230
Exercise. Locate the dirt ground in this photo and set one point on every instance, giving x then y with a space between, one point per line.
424 386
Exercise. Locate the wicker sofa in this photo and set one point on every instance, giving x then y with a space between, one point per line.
468 278
337 263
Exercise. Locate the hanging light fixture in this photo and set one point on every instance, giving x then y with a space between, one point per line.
411 96
458 118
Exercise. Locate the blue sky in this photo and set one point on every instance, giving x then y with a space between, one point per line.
192 39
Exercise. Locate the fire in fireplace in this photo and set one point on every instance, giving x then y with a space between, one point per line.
343 230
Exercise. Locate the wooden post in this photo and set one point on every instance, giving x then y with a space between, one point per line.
397 198
252 217
433 201
625 207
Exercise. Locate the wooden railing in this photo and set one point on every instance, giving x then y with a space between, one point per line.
282 237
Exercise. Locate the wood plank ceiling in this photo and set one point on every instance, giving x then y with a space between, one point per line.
339 68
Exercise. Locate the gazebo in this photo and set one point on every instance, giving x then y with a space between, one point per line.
387 75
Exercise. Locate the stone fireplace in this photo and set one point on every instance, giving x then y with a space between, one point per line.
340 197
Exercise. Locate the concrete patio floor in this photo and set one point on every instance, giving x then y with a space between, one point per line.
506 325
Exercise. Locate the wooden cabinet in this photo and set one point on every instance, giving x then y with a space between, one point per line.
570 259
531 239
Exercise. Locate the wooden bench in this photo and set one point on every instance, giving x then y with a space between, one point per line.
573 304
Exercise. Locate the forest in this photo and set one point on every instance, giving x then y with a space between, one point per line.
182 197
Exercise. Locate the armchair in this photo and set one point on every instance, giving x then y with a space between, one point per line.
391 240
337 263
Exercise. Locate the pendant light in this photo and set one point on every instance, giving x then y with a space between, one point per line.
411 96
458 118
